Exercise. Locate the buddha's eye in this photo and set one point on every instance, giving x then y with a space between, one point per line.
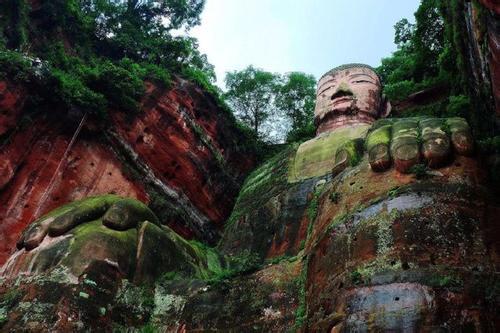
362 81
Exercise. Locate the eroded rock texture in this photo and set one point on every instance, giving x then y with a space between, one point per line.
378 226
395 253
180 153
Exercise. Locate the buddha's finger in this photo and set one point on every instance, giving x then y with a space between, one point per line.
461 136
405 146
127 213
436 146
378 147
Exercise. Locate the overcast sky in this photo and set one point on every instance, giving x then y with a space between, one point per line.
311 36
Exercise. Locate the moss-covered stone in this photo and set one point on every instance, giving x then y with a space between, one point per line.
127 213
461 136
94 242
62 219
377 144
82 211
348 154
405 145
161 251
316 157
435 142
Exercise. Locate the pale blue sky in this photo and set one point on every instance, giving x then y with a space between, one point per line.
311 36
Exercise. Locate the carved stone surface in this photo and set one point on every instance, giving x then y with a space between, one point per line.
340 234
349 95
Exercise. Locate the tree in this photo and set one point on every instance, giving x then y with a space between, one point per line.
295 99
251 94
99 52
418 62
404 33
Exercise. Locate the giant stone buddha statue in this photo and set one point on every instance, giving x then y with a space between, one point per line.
349 100
383 251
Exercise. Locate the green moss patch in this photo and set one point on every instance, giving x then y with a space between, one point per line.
262 184
316 157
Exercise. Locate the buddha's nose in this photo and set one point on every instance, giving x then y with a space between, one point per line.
342 90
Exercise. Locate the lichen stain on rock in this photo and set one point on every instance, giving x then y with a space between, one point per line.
404 226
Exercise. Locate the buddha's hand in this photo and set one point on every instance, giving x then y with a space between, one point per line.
407 142
115 212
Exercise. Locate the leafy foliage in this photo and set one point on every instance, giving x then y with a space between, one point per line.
274 106
434 52
244 263
251 93
295 99
13 23
15 66
96 54
416 64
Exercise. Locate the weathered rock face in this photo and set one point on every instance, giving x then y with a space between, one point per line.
37 176
352 231
270 216
359 251
494 58
100 301
483 50
396 253
192 149
180 153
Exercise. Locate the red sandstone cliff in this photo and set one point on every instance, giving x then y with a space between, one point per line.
181 146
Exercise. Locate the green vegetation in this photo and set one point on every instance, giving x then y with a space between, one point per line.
445 281
416 63
419 170
91 56
262 184
490 145
433 52
356 278
7 301
295 100
312 209
243 263
14 66
334 197
301 312
275 107
250 93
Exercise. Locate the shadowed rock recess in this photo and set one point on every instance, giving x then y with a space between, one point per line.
162 222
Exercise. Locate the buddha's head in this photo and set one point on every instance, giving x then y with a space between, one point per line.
349 95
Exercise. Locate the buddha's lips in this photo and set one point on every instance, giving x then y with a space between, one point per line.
342 99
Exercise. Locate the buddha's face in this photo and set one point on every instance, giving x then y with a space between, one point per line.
349 96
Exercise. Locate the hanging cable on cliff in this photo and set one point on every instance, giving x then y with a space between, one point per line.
59 166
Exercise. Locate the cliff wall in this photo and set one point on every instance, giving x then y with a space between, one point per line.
181 154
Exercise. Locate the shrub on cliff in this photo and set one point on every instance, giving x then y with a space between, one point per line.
14 66
434 52
98 53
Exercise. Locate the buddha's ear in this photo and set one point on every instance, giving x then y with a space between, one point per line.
386 108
